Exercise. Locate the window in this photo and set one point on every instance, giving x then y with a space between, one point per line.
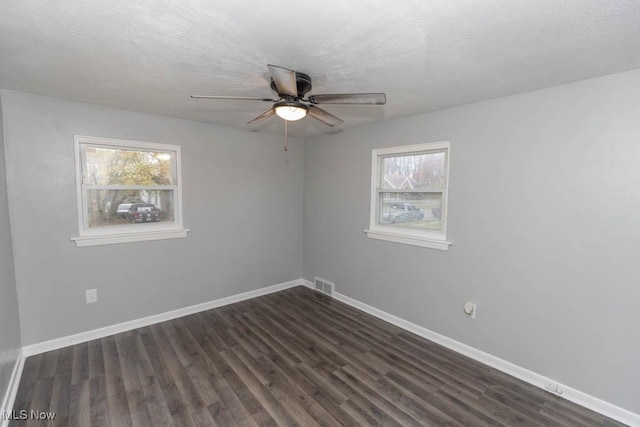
128 191
409 195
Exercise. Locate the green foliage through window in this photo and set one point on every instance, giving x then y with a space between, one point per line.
107 166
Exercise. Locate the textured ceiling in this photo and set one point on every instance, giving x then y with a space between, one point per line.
150 55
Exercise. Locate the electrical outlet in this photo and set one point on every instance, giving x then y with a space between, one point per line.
553 388
91 296
470 309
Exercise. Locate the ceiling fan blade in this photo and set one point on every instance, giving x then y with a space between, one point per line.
240 98
284 79
270 112
350 98
324 116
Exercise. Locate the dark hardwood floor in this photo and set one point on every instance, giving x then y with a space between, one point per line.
291 358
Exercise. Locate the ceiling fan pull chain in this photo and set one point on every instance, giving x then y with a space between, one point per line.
286 136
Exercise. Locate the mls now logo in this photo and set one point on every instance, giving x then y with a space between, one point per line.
28 415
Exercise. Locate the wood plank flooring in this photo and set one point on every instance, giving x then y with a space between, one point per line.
291 358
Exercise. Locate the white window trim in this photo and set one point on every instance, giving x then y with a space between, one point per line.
408 236
115 234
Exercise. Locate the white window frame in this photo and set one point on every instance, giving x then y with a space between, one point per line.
407 235
132 232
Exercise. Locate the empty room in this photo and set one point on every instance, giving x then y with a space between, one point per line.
320 213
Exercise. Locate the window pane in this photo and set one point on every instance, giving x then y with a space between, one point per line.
414 171
415 210
115 207
113 166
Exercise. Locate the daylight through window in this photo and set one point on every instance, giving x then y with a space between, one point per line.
127 188
409 194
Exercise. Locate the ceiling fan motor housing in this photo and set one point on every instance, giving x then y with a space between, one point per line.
303 83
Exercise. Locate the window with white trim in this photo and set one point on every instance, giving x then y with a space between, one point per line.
128 191
409 187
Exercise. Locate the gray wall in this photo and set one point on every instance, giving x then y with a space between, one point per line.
9 320
242 201
544 219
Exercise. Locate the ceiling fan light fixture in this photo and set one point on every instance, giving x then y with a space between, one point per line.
290 110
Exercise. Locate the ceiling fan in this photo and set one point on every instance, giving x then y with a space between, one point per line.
291 87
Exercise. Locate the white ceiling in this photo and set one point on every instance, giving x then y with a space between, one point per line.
150 55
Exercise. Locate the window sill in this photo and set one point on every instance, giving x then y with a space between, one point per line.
111 239
406 239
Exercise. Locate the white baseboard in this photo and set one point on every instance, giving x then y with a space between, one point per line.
81 337
12 389
569 393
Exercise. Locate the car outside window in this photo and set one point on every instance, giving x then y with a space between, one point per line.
409 192
127 191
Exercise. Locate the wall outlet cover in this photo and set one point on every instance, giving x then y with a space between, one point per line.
470 309
91 296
